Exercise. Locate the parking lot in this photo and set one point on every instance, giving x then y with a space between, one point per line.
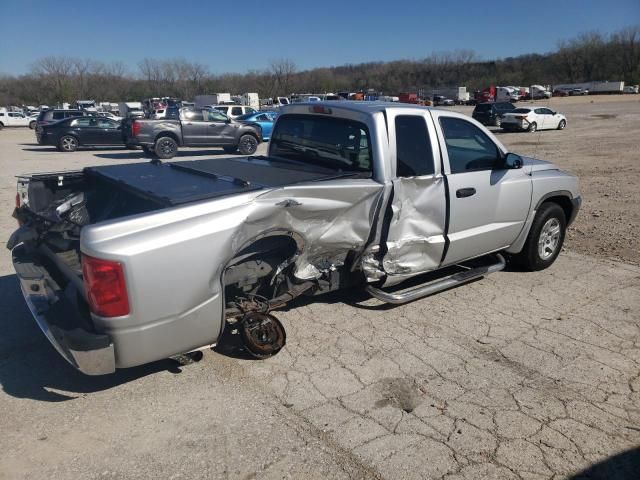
518 375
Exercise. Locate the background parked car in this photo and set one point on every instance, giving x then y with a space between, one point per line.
69 134
264 119
531 119
50 116
233 111
13 119
490 113
441 100
578 92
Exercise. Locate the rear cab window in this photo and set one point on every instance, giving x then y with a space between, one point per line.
414 156
333 143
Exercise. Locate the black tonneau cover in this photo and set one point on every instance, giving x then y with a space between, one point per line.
175 183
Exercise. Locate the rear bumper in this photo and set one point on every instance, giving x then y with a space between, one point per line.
59 318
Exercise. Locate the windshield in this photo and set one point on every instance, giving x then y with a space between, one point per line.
483 107
329 142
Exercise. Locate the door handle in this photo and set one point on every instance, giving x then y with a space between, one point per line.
289 202
465 192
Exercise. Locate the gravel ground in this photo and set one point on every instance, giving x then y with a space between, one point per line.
519 375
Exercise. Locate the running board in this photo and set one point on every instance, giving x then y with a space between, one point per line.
426 289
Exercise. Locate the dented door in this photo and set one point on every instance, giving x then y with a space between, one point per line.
416 214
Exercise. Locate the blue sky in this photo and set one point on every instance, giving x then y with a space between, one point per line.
240 36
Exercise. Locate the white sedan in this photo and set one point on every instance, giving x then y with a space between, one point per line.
531 119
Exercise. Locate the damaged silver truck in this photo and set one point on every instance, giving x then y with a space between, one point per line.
126 264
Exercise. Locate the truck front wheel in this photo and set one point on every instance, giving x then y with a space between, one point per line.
248 145
165 147
545 238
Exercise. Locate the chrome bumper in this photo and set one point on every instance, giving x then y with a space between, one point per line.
59 319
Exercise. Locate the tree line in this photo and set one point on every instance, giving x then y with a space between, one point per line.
590 56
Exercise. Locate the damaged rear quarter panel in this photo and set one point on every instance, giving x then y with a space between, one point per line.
174 258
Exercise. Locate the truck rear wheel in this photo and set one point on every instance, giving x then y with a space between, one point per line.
545 239
248 144
165 147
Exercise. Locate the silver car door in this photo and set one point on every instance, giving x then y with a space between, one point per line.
416 216
217 127
488 202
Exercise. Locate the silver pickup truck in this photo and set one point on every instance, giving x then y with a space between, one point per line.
127 264
193 128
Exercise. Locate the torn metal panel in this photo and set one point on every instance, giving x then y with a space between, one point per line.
415 241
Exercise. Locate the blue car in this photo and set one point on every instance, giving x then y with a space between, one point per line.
264 119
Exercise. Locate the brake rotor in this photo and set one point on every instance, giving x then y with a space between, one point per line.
262 334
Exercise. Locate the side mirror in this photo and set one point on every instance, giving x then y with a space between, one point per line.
513 161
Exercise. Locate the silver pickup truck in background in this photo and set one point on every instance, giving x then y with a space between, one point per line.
207 127
127 264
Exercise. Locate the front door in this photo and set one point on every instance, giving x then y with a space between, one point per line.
488 202
416 217
219 131
194 128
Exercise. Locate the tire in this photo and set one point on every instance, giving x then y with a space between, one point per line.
248 144
32 125
262 335
230 150
165 147
148 151
68 143
498 122
1 125
545 238
533 127
562 124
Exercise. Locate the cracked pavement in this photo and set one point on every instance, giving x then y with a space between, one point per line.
515 376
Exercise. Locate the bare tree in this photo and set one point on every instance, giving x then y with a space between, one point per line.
283 69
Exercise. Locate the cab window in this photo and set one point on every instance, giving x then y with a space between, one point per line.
215 116
469 147
413 147
236 111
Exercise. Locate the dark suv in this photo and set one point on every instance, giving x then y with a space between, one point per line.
490 113
51 116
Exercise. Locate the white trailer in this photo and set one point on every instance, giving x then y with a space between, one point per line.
127 109
202 101
251 100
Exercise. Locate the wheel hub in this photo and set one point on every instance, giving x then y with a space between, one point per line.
549 238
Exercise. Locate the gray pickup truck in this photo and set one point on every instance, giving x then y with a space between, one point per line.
127 264
194 128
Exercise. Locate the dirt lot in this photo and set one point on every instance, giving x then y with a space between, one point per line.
517 376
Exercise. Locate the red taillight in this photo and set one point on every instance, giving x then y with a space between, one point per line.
320 109
17 200
135 128
106 287
521 117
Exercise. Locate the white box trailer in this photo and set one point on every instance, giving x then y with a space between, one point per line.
593 87
202 101
126 109
251 100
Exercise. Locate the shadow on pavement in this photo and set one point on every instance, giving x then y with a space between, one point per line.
30 367
623 466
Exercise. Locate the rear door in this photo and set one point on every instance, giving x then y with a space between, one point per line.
415 239
488 203
109 132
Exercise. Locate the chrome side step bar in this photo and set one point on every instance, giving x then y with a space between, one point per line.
424 290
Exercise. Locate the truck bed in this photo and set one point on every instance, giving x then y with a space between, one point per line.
176 183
